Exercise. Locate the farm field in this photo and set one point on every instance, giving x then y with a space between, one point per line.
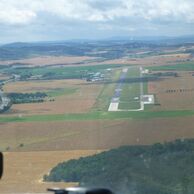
185 66
18 173
48 60
92 134
175 93
40 85
70 96
152 61
167 57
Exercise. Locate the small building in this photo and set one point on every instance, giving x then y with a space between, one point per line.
148 99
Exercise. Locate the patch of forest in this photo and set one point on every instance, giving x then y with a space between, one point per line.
166 168
20 98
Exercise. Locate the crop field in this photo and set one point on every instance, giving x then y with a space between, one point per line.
153 61
92 134
188 66
174 93
48 60
70 96
90 137
18 171
41 85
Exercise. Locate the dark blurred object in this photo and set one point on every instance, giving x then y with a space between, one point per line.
81 190
1 165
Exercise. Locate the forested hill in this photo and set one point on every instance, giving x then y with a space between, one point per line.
158 169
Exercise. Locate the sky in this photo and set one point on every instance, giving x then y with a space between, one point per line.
47 20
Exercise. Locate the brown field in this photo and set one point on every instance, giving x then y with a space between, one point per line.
49 60
23 171
73 60
92 135
180 99
153 60
40 85
80 101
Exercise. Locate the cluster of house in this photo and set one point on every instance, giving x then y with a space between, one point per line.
95 77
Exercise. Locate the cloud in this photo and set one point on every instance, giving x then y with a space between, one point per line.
26 11
11 14
60 19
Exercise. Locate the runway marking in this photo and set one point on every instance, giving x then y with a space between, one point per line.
114 104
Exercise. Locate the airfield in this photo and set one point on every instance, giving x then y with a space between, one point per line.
129 92
91 107
114 101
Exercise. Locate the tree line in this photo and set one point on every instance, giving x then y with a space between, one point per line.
19 98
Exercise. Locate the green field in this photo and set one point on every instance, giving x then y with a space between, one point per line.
98 116
77 72
135 104
178 67
131 90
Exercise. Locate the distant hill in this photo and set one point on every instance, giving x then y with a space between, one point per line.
103 49
157 169
113 48
20 50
